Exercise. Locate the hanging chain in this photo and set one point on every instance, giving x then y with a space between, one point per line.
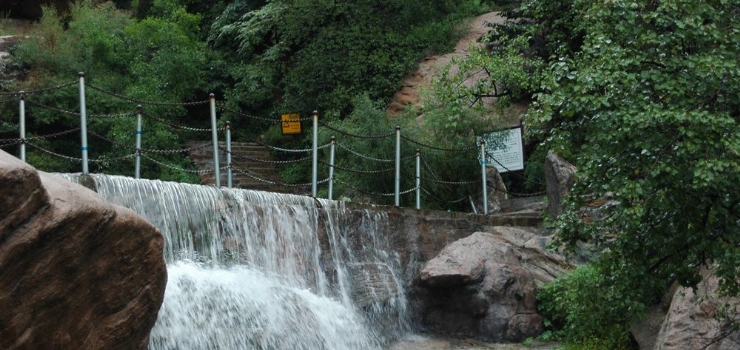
255 177
143 102
442 199
175 126
73 159
364 156
358 171
53 109
111 159
262 119
289 149
374 193
466 149
31 92
266 161
366 137
452 182
206 171
51 136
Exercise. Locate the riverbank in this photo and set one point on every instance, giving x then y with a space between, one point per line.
423 342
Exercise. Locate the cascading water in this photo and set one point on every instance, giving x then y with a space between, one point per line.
257 270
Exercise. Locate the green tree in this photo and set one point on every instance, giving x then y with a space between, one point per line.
648 110
643 97
305 55
160 58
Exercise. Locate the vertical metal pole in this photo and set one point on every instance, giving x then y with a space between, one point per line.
418 179
483 173
331 167
214 132
398 165
315 164
137 167
229 176
22 108
83 125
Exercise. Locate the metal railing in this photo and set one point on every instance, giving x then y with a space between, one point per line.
139 152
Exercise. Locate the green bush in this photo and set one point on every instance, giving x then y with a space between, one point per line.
580 310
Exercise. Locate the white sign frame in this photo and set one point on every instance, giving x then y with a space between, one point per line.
505 149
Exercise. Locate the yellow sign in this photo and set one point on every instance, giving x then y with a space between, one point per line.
291 123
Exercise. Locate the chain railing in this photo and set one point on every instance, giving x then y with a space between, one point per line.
337 172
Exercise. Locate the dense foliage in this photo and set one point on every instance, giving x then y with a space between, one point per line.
322 54
649 110
643 97
259 57
152 59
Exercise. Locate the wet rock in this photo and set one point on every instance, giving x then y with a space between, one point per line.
77 271
559 177
463 262
497 193
692 321
477 287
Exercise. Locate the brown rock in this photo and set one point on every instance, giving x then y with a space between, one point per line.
692 321
497 193
559 176
77 271
478 288
462 262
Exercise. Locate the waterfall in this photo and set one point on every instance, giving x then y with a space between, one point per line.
257 270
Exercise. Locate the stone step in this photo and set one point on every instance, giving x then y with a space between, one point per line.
259 166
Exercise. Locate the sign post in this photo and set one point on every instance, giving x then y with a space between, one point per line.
291 123
504 149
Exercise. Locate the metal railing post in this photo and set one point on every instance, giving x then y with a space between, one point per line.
229 176
83 125
331 167
315 147
398 166
137 167
483 174
418 179
22 121
214 132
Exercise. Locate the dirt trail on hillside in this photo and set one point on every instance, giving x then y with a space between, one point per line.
431 66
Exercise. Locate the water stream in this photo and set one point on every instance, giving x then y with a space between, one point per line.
258 270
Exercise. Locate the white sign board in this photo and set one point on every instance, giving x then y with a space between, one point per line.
504 150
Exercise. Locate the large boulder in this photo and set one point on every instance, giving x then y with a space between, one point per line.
482 286
559 177
77 272
693 320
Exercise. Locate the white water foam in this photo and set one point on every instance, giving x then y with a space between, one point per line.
240 308
246 269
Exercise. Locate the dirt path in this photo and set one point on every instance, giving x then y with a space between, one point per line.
430 66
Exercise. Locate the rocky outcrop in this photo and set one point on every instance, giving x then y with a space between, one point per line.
692 321
483 286
559 177
497 193
77 271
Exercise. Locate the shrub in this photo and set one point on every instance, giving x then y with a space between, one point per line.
580 310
